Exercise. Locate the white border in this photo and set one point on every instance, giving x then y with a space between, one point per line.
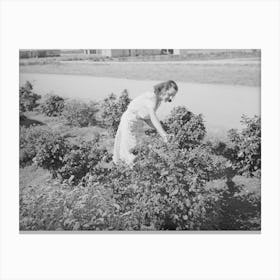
200 24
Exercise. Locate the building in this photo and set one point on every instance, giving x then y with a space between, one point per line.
38 53
128 52
113 53
160 54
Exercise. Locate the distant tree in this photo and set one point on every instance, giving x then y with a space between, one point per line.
27 98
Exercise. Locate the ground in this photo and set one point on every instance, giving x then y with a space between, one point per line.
230 71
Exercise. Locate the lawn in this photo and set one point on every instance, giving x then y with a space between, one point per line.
231 72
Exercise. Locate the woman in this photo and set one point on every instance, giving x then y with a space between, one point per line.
141 109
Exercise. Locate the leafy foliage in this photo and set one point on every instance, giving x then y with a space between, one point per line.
22 117
188 129
81 159
247 144
78 113
52 105
67 208
167 188
112 109
31 139
244 147
27 98
50 152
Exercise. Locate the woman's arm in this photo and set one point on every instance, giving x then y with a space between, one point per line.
149 123
156 123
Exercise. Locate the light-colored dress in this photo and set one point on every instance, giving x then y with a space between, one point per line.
129 130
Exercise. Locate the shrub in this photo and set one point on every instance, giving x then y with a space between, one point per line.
27 98
64 160
30 141
80 159
50 153
243 148
22 117
112 109
164 190
52 105
247 146
187 128
67 208
79 113
123 101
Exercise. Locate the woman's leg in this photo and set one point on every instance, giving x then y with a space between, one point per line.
128 139
117 143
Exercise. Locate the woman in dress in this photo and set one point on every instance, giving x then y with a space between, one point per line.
141 109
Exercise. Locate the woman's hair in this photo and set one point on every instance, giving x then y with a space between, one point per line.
165 86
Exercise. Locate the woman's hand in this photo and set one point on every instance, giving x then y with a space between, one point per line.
165 138
168 138
156 123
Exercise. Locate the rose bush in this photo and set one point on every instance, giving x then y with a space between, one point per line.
165 188
247 144
30 141
80 159
112 109
50 152
188 129
78 113
52 105
28 100
243 148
